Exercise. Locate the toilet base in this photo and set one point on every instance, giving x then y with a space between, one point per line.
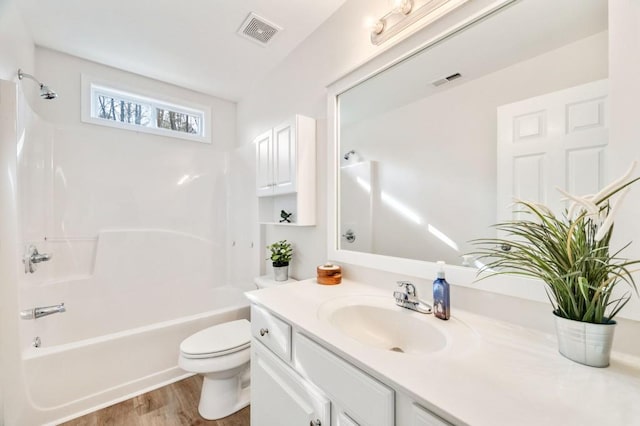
222 397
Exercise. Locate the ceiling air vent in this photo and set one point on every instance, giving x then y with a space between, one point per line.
442 81
258 29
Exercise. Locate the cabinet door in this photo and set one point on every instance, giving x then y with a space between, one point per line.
279 396
423 417
345 420
264 161
363 398
284 158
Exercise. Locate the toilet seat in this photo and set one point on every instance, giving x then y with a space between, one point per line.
219 340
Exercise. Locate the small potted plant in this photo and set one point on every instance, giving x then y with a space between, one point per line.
571 254
281 253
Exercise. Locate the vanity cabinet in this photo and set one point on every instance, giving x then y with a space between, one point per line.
286 172
296 381
280 396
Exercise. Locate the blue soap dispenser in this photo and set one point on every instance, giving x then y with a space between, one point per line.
441 301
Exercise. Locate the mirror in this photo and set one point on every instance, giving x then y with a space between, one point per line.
421 167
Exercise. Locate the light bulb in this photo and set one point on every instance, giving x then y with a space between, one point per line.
402 6
374 25
369 22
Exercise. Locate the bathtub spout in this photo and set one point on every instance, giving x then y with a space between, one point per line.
42 311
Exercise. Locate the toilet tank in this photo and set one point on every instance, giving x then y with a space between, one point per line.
266 281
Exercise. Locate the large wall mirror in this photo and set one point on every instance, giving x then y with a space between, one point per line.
431 150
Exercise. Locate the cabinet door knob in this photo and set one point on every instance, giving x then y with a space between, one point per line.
264 331
315 422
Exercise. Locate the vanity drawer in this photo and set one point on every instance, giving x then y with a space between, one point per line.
363 398
271 331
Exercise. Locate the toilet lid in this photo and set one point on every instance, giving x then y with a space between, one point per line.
218 340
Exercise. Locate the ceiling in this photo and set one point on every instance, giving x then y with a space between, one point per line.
192 44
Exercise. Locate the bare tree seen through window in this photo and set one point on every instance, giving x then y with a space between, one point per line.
123 111
178 121
138 112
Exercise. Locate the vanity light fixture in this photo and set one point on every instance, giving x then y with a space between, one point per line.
408 12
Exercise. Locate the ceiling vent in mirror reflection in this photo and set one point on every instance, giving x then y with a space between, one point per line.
258 29
441 81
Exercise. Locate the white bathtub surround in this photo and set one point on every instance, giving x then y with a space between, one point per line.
498 373
133 280
137 225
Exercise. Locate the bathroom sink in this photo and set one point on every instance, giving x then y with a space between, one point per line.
376 321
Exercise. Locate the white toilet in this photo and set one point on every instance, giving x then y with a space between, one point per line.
221 354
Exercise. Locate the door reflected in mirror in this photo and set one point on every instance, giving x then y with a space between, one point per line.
433 150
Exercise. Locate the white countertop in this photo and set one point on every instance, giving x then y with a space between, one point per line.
494 373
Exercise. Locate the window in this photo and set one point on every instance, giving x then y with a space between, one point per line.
112 107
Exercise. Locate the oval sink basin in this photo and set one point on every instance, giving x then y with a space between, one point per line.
377 322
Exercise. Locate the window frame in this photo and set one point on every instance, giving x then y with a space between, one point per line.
91 87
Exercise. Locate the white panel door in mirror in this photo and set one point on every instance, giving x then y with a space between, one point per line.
529 126
554 140
529 179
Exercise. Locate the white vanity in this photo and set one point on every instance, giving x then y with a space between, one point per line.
346 355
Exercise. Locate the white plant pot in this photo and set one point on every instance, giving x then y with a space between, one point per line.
281 273
584 342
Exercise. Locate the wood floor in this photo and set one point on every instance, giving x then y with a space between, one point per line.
172 405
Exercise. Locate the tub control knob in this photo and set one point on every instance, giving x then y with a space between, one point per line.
316 422
264 331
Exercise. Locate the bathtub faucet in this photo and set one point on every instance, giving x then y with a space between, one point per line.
42 311
32 257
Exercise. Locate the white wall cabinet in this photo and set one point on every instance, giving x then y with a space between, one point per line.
316 387
286 172
264 160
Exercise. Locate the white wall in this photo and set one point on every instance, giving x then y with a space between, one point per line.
624 66
11 389
16 44
624 139
16 51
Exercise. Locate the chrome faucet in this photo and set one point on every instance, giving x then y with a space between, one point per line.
42 311
32 257
409 298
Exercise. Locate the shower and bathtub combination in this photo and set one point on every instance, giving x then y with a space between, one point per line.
130 259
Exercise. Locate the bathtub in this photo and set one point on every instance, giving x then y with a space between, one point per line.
68 380
141 292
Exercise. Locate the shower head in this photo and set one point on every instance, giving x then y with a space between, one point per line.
45 91
349 154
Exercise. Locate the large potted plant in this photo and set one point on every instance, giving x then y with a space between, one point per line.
571 254
281 253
